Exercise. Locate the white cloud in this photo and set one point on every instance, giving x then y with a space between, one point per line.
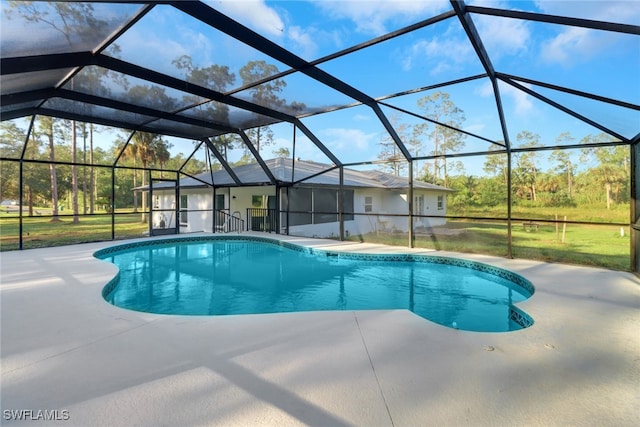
484 90
253 13
347 139
373 17
624 12
503 36
442 55
574 45
148 49
361 118
303 41
569 46
522 104
476 128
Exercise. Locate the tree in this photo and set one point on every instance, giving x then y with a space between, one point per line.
94 80
612 167
162 154
35 179
151 96
395 162
282 152
562 160
497 164
440 108
77 23
45 129
12 139
149 148
467 194
525 172
129 152
225 143
265 94
74 20
216 77
74 171
492 192
145 151
260 136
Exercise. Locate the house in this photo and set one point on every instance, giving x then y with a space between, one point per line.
373 201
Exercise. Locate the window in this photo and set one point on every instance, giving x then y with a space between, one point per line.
257 201
440 202
368 204
219 201
418 205
300 206
184 215
156 201
325 205
347 203
318 205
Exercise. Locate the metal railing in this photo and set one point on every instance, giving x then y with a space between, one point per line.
227 223
259 219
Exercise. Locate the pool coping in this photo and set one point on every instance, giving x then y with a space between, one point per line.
65 348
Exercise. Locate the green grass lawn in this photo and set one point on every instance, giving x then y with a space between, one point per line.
40 231
617 213
594 245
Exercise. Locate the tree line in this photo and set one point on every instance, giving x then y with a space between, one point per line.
559 177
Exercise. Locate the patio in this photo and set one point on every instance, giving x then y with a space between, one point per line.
64 348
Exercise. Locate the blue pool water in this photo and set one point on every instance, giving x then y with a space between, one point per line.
252 275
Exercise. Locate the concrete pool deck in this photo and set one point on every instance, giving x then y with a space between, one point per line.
64 348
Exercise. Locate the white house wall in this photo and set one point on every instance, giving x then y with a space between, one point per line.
163 209
386 204
197 199
198 220
242 197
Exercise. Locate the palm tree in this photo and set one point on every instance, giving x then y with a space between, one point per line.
145 143
130 152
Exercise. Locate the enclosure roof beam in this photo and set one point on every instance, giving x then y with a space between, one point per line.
588 95
392 132
222 161
104 122
435 122
125 106
317 142
564 109
474 38
195 150
27 64
257 156
556 19
184 86
217 20
23 97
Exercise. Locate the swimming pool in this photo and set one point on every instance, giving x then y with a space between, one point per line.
248 274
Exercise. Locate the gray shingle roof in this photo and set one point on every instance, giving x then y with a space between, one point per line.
305 172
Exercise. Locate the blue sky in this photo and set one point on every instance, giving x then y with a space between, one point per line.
598 62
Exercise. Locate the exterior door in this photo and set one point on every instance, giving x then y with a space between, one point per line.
164 214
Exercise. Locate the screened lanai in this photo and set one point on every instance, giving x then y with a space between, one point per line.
525 114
